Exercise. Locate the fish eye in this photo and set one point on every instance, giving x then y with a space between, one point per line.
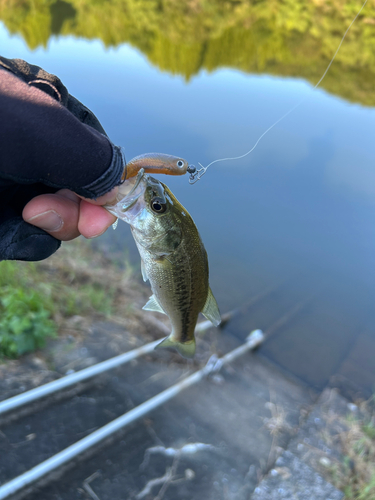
158 205
180 163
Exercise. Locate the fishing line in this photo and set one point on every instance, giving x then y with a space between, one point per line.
196 176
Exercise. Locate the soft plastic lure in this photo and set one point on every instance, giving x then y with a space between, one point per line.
156 163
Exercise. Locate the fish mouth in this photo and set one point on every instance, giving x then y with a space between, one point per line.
132 196
128 195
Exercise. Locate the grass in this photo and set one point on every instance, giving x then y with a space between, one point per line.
37 299
26 310
353 438
355 475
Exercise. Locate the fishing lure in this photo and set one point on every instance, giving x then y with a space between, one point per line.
156 163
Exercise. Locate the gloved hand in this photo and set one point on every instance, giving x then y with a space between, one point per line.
53 153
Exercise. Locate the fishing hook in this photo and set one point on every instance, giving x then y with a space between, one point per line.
195 175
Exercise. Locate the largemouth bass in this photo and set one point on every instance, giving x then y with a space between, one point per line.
173 258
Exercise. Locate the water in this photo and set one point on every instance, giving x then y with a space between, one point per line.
297 213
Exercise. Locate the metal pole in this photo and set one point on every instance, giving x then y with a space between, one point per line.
69 380
74 378
64 456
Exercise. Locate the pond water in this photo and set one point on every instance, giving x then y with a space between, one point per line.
297 215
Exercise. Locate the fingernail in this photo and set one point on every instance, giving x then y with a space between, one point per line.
49 221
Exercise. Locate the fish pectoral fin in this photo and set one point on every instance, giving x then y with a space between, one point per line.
186 349
153 305
211 309
143 270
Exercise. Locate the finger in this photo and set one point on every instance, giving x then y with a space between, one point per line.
109 197
57 214
93 220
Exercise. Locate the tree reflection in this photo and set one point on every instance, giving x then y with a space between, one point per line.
60 11
280 37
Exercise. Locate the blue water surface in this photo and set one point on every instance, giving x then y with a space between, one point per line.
298 212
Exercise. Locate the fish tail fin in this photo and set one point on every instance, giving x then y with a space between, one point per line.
186 349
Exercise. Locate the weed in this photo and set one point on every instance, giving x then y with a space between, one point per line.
25 321
369 429
37 299
355 474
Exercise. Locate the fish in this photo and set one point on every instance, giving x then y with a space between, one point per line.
155 163
173 258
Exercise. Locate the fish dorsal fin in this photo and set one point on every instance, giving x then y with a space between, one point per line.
186 349
153 305
211 309
143 270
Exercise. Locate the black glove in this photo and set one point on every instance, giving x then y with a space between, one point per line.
48 141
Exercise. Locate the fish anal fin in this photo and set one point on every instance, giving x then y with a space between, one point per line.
153 305
211 309
186 349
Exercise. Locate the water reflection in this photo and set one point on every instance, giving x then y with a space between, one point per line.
299 211
291 39
61 12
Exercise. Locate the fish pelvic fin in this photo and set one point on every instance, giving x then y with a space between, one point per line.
186 349
143 270
211 309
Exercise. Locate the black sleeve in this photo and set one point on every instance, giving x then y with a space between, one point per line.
41 141
48 141
38 78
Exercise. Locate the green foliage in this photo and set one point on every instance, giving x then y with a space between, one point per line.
355 474
281 37
36 298
368 491
14 273
369 430
85 298
25 320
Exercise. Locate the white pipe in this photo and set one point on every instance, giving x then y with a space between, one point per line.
64 456
253 340
74 378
